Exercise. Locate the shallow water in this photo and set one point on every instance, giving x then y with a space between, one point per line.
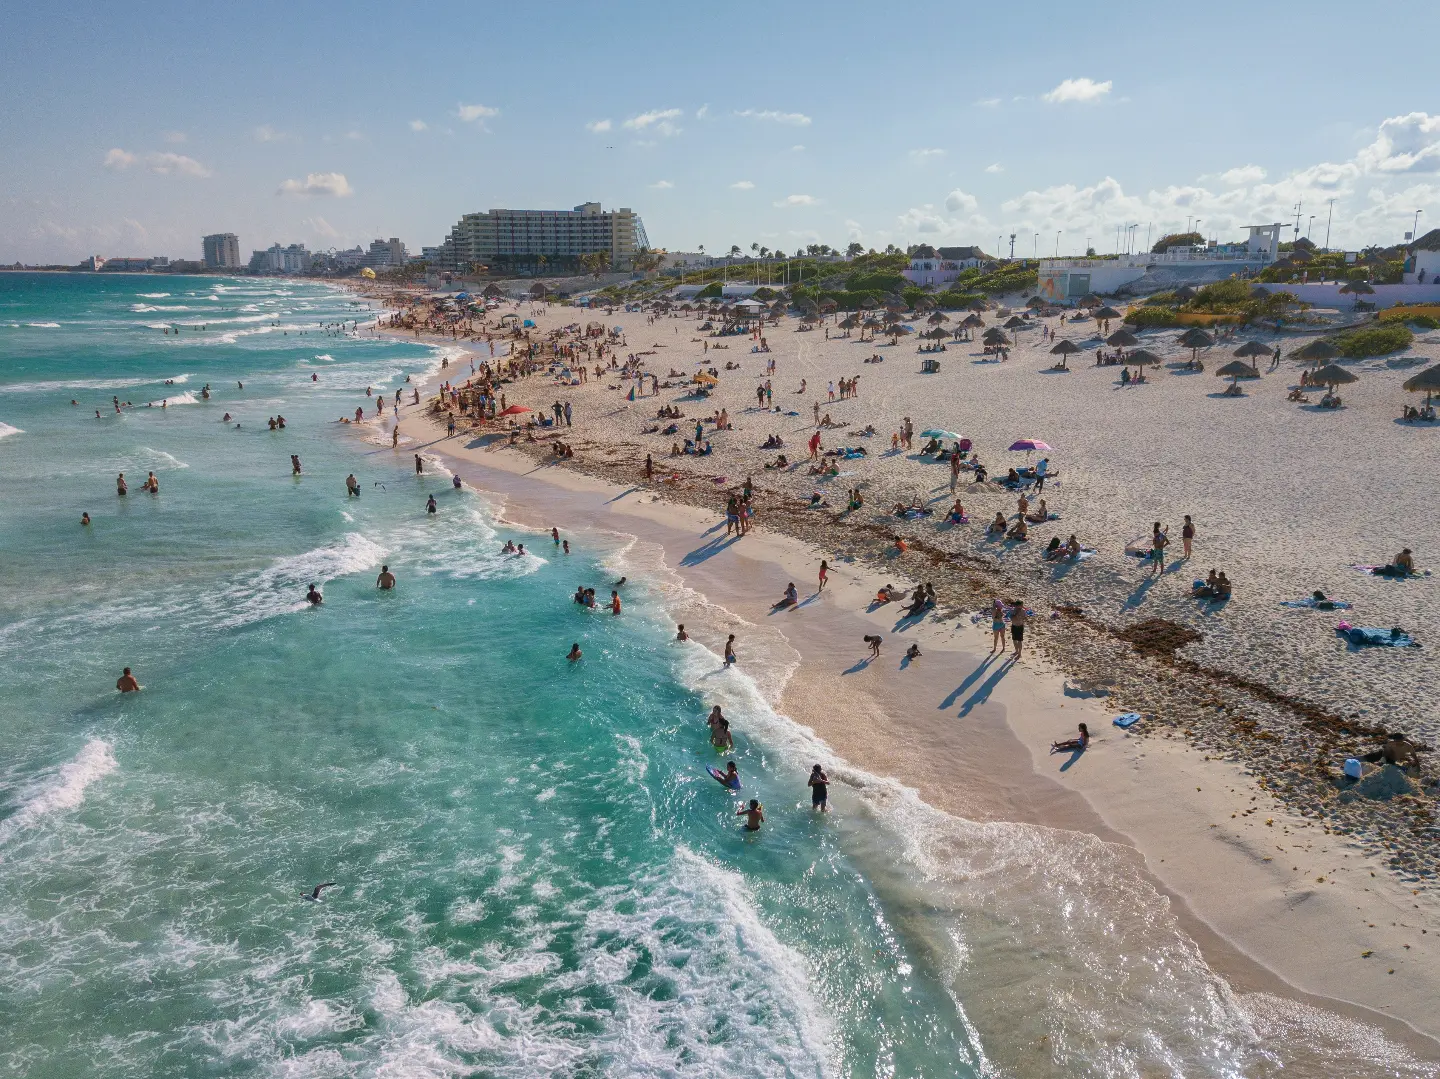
534 874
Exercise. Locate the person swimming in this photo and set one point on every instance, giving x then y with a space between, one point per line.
680 634
314 597
386 580
574 652
731 777
126 683
84 518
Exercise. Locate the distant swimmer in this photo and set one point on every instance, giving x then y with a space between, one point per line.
84 518
314 896
120 488
455 482
314 597
574 652
314 378
430 504
566 546
754 815
225 418
294 465
126 683
240 385
680 634
554 534
819 784
352 486
386 580
620 583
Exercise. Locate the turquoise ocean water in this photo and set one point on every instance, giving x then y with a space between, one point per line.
534 876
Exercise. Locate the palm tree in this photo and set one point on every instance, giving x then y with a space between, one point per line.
734 250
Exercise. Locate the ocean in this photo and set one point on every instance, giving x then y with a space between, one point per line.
533 873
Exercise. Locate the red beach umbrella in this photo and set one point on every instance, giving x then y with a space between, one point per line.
515 410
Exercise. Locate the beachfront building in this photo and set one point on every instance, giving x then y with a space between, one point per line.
1423 265
384 253
1065 279
543 240
222 251
293 259
937 267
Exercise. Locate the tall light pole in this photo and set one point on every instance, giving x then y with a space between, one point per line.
1310 226
1197 229
1035 247
1057 242
1328 218
1415 228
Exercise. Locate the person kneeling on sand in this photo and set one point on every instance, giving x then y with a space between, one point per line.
1080 742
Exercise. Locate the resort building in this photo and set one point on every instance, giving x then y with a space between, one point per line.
276 259
222 251
937 267
383 253
1066 279
1423 265
543 240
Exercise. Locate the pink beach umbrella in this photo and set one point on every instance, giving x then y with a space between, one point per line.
1030 445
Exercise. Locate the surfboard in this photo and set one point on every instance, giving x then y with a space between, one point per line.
719 777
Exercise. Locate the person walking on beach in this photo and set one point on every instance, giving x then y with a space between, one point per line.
824 574
419 465
1187 534
1018 618
649 467
1159 540
819 784
954 471
730 650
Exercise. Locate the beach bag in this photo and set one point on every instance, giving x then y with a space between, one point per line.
1353 768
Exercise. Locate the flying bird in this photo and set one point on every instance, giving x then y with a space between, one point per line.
314 896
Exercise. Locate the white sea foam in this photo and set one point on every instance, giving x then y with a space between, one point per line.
89 384
6 430
186 398
153 295
142 308
168 460
65 790
44 325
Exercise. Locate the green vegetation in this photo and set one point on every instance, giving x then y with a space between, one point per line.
1011 278
875 281
1425 322
1149 318
1176 239
1378 265
1160 299
1222 297
709 292
1376 340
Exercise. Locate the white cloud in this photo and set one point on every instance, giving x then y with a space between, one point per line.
793 119
598 126
1409 143
174 136
119 159
927 155
476 114
997 167
743 185
1242 174
167 163
661 120
1078 90
266 133
798 148
320 227
331 184
662 185
418 125
988 102
798 200
356 136
959 202
702 112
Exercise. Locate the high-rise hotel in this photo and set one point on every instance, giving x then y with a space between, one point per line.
516 240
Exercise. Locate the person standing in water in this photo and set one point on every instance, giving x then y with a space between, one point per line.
126 683
313 597
754 815
819 784
84 518
352 486
430 506
614 602
120 488
574 653
386 581
419 465
294 465
730 650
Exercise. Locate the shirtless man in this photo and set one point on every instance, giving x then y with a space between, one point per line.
294 465
754 815
386 580
352 486
313 596
127 684
574 652
680 634
120 488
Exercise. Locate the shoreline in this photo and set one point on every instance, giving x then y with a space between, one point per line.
1250 942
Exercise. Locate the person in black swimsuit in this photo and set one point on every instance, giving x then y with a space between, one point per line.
819 784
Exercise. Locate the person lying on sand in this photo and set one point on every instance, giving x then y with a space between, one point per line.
1080 742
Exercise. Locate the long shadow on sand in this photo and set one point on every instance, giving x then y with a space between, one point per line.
707 550
983 691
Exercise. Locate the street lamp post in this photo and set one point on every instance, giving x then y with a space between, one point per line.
1057 242
1328 218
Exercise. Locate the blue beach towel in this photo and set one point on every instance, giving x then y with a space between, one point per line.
1366 635
1127 720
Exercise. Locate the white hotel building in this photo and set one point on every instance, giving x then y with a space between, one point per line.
517 240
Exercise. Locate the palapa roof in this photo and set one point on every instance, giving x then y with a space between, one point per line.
1429 242
1427 380
1334 375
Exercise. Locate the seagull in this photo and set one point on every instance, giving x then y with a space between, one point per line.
314 896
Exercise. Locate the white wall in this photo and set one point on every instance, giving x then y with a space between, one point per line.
1329 295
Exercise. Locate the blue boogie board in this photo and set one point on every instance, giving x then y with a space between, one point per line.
719 777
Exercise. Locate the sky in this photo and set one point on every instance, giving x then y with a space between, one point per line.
135 129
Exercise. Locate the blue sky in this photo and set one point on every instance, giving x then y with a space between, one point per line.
134 129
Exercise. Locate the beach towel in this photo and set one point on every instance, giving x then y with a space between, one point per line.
1315 604
1361 636
1127 720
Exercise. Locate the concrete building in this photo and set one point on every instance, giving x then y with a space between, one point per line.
514 240
294 259
1063 280
385 253
938 267
222 251
1423 265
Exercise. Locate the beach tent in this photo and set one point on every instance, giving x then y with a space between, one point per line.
515 410
707 379
1015 322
